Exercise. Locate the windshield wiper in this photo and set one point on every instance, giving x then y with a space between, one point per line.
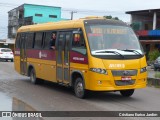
115 52
134 51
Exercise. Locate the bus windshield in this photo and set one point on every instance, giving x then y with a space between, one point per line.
112 38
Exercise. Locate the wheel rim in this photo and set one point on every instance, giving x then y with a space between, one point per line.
79 89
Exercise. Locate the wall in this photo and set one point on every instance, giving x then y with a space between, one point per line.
144 22
12 23
31 10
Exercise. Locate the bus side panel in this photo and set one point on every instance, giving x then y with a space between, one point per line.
17 63
44 63
17 60
79 63
49 71
36 65
83 69
45 70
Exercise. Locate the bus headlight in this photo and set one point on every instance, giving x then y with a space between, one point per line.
143 70
98 70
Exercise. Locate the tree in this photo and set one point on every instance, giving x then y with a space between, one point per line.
116 18
110 17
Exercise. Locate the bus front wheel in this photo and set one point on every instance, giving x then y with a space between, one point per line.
33 76
127 93
79 89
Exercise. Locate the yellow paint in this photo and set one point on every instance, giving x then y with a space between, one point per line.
46 69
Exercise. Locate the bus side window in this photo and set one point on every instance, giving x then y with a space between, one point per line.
22 40
17 45
29 39
47 39
38 40
78 43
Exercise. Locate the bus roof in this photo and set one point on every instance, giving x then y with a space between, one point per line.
64 24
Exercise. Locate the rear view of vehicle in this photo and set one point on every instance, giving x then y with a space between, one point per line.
6 54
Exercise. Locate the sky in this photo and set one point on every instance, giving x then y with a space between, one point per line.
115 8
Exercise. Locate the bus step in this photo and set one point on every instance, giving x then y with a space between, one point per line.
64 84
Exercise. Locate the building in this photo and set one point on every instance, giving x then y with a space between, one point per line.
7 43
146 24
27 14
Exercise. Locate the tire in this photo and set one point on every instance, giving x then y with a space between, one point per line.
127 93
33 76
79 89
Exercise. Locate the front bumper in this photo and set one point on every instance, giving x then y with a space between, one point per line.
99 82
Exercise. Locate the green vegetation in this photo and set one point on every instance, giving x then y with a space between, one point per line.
136 25
157 75
153 55
110 17
154 82
149 82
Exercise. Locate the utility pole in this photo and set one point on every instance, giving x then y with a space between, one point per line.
72 14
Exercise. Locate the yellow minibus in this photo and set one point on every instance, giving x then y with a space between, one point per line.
90 54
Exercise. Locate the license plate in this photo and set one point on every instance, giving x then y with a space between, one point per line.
126 78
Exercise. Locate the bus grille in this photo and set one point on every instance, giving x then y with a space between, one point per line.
125 82
124 72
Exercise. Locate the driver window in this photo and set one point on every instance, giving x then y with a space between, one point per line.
78 42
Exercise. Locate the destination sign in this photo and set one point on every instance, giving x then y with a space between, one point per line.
109 30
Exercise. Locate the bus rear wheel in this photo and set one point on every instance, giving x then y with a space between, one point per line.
127 93
33 76
79 89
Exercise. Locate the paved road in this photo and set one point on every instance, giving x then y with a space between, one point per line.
17 93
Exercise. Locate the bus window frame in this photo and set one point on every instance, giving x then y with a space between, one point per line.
79 31
44 39
41 46
57 37
65 30
18 37
110 57
22 39
27 33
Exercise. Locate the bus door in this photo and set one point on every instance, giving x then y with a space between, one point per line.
23 56
63 63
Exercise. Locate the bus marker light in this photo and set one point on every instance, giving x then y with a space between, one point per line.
99 82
